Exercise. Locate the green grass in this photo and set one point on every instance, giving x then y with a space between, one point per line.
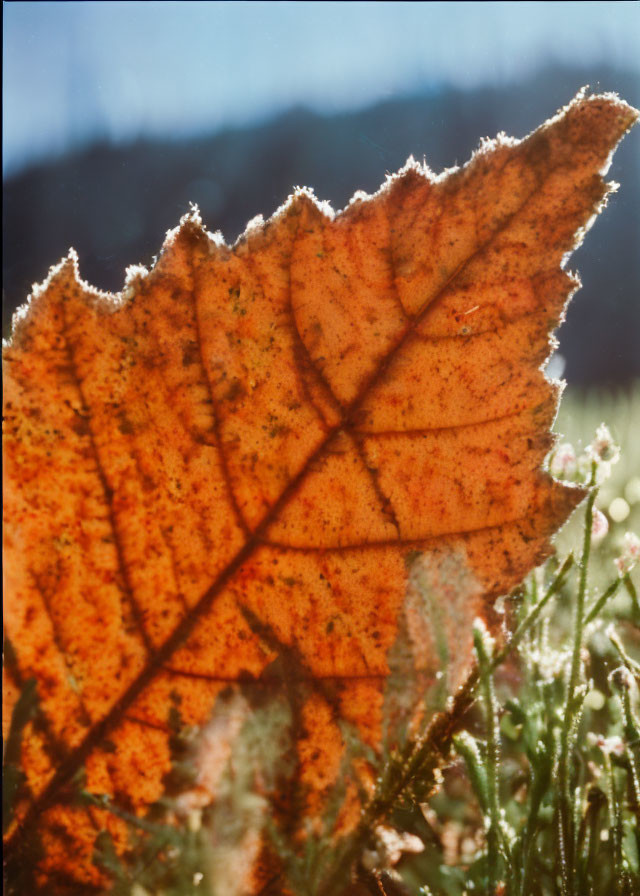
566 757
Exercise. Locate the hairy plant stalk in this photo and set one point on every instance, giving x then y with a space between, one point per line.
532 616
598 606
564 806
482 645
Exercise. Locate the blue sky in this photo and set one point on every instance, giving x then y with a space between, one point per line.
77 70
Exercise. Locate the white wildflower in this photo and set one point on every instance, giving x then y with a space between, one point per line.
599 526
601 453
613 746
564 463
603 448
630 554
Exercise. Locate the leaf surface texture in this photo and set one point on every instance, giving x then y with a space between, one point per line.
231 461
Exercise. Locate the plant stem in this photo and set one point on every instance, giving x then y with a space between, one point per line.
492 757
564 809
576 660
599 604
533 615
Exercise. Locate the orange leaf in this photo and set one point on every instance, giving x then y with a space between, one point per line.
231 460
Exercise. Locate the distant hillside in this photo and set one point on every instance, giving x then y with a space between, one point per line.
114 204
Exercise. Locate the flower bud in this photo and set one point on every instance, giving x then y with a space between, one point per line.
630 554
599 526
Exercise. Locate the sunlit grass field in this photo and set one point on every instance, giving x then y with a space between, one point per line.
579 416
601 812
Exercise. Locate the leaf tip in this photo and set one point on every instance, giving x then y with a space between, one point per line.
604 118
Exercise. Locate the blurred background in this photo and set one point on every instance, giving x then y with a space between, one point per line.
117 115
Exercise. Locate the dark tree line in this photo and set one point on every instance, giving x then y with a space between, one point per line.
115 203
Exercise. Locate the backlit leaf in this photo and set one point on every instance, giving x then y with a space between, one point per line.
228 468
